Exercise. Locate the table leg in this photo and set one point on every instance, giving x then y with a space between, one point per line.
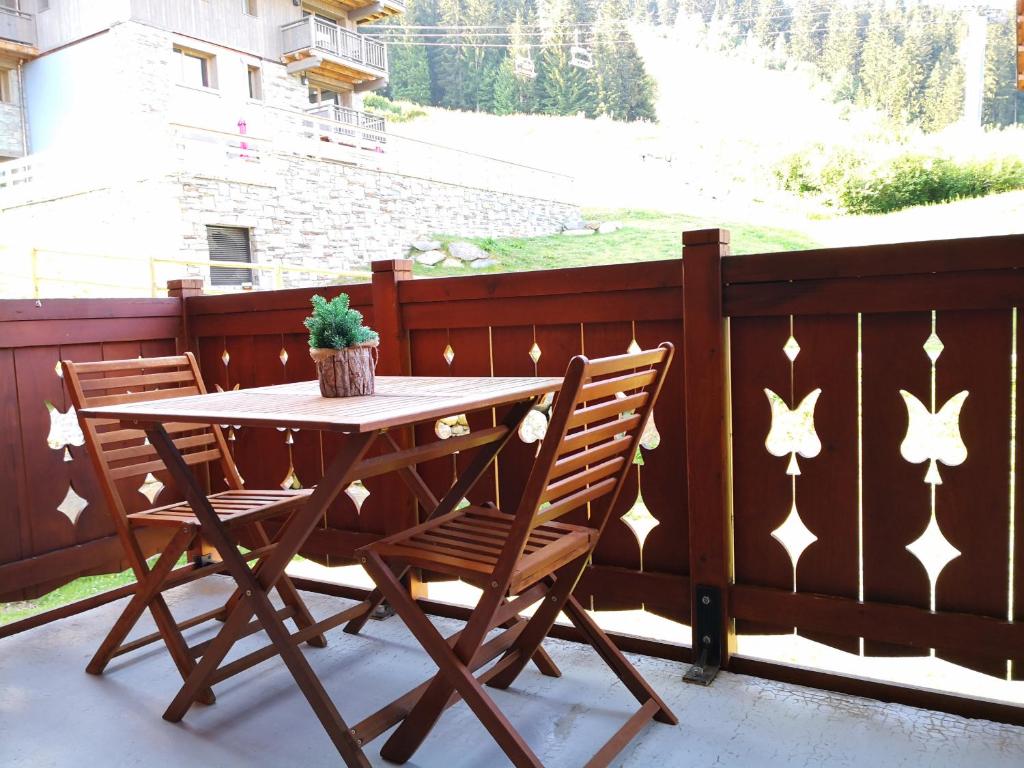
255 588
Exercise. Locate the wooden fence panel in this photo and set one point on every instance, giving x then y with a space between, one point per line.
762 491
59 526
827 492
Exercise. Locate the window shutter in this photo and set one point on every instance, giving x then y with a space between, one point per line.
229 244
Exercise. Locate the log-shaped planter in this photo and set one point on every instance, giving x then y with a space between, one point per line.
346 372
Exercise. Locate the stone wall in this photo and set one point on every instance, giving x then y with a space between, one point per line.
330 215
10 129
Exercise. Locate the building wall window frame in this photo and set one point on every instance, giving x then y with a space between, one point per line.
195 69
254 75
6 86
230 244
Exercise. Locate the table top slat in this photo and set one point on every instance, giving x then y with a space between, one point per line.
398 401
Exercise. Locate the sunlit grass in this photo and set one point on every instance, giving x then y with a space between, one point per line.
645 236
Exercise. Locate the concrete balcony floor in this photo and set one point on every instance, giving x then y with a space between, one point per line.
53 714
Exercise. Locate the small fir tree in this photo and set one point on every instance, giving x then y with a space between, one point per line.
335 325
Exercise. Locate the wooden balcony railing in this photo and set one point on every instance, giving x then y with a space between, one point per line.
328 38
792 473
17 26
349 120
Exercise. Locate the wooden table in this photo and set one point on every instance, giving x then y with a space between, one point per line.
399 402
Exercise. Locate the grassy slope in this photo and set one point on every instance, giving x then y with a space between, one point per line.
645 236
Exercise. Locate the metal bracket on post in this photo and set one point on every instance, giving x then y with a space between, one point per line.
709 630
201 561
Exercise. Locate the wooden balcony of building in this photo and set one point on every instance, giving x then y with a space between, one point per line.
356 10
17 35
333 57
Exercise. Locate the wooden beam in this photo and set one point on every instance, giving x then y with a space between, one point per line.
965 634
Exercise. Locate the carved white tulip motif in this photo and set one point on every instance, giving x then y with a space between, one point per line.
792 431
934 437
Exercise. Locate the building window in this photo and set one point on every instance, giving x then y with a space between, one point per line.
255 83
229 244
6 92
250 7
194 69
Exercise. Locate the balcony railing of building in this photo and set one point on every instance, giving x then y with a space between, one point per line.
351 119
330 38
17 26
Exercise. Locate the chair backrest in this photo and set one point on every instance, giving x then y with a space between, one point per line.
594 433
123 457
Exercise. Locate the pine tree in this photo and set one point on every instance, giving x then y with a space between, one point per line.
772 20
1003 104
563 89
944 93
839 58
624 89
409 72
809 29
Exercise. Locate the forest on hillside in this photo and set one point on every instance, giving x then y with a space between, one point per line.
566 57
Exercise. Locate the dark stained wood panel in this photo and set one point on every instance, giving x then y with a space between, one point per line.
662 484
973 502
12 469
896 500
1018 559
827 494
510 347
762 492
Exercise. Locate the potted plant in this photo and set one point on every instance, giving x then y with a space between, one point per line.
344 350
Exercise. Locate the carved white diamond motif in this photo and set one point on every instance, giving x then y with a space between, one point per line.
933 347
794 535
58 370
73 505
535 353
151 488
449 354
225 358
283 356
640 521
358 493
633 348
67 454
792 349
933 550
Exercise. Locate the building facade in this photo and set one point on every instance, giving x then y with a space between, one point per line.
230 130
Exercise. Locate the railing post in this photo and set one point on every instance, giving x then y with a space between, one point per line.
183 289
34 266
395 361
706 377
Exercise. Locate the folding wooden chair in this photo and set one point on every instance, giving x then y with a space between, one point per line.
593 436
122 458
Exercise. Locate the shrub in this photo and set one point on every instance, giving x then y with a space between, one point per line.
918 180
844 178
